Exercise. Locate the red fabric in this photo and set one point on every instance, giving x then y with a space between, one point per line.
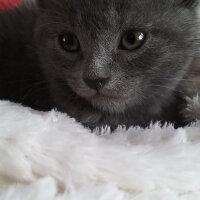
8 3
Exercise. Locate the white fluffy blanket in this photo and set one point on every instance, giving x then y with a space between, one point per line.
48 156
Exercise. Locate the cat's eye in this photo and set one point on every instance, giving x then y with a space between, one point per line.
69 42
132 40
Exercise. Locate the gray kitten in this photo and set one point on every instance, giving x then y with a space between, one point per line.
104 62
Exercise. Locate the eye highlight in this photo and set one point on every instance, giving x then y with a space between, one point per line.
132 40
69 42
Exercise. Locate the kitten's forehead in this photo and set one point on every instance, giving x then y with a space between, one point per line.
90 19
105 5
112 13
102 8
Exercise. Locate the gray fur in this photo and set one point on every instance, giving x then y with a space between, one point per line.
143 83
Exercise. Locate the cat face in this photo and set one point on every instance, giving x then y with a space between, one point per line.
116 54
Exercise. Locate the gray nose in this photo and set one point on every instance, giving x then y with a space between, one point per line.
96 84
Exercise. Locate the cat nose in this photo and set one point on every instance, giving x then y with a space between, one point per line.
96 84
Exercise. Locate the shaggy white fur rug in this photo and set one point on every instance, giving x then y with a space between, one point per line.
48 156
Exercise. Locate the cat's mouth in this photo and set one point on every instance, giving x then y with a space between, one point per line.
107 103
105 99
99 95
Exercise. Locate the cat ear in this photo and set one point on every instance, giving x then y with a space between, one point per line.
188 3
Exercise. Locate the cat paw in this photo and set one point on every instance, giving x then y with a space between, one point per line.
192 111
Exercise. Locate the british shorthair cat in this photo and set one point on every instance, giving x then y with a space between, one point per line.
103 62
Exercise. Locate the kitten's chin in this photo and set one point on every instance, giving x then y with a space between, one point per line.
108 104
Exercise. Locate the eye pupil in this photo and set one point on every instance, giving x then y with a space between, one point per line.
132 40
69 42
